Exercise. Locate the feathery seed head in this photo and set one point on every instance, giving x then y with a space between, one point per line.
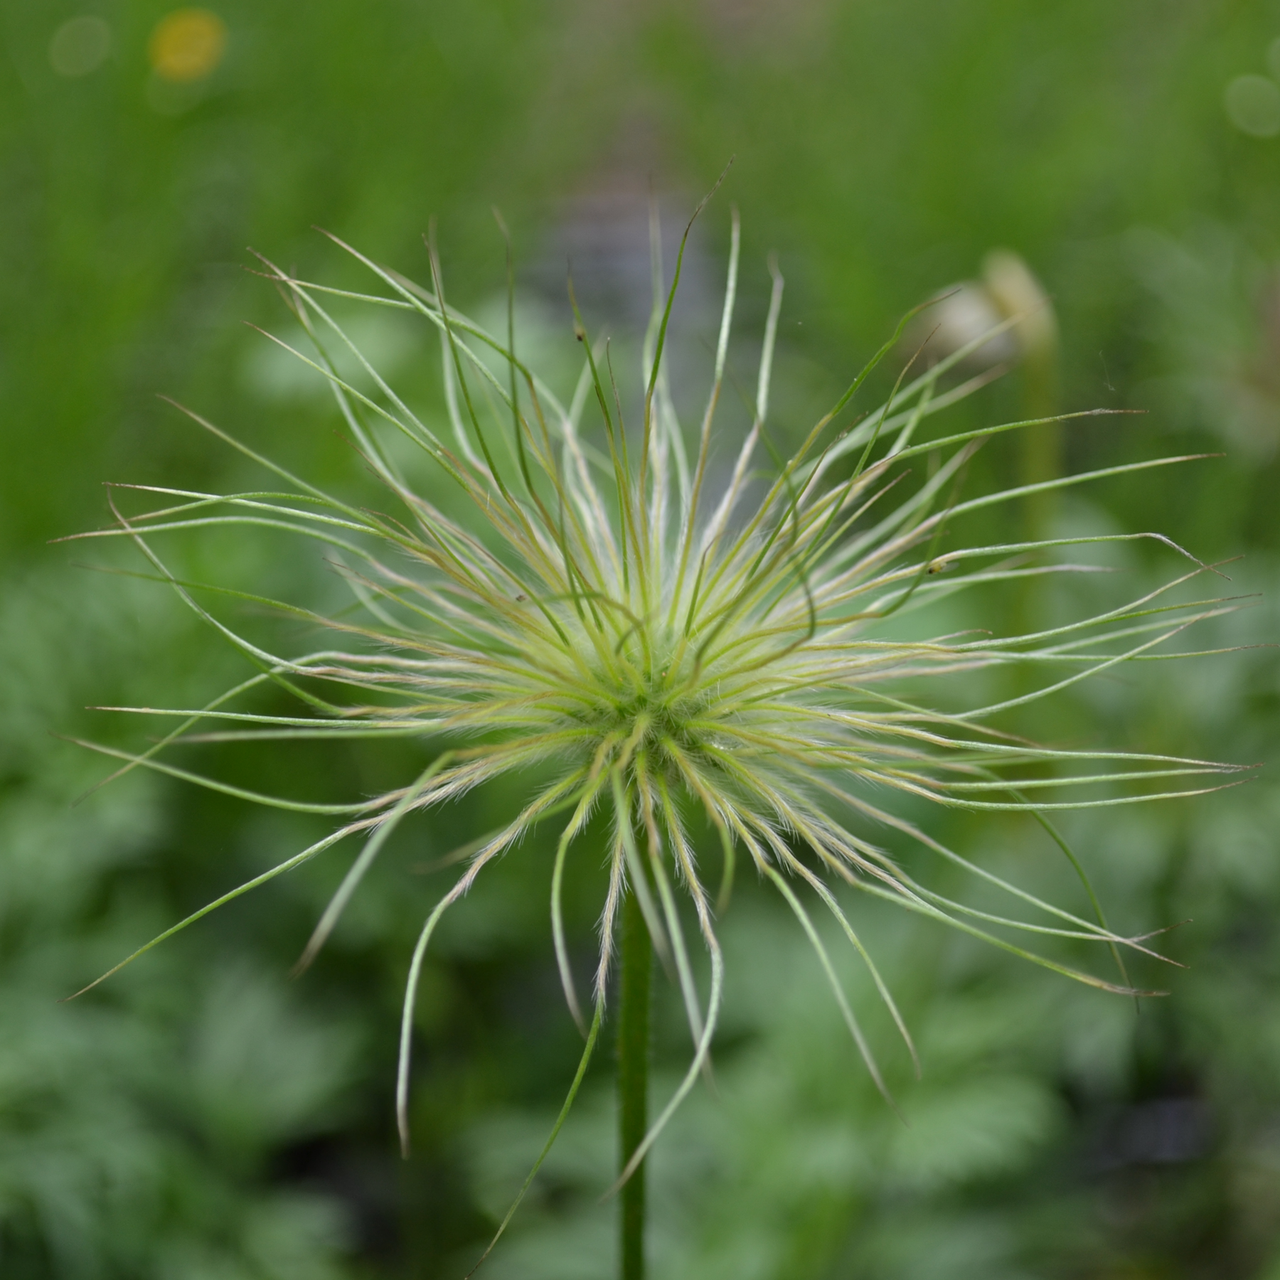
667 648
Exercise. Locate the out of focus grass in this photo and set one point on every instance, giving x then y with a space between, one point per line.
203 1117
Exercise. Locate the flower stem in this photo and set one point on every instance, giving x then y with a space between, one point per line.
633 1082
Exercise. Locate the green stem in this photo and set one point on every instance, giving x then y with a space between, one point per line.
633 1082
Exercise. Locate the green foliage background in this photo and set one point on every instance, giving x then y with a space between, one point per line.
202 1116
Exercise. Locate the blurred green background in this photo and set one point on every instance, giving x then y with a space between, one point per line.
203 1116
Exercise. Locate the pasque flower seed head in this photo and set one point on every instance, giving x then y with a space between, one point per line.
683 656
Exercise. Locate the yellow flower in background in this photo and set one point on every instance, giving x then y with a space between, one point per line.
187 45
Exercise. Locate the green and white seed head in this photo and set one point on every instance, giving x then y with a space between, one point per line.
679 655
